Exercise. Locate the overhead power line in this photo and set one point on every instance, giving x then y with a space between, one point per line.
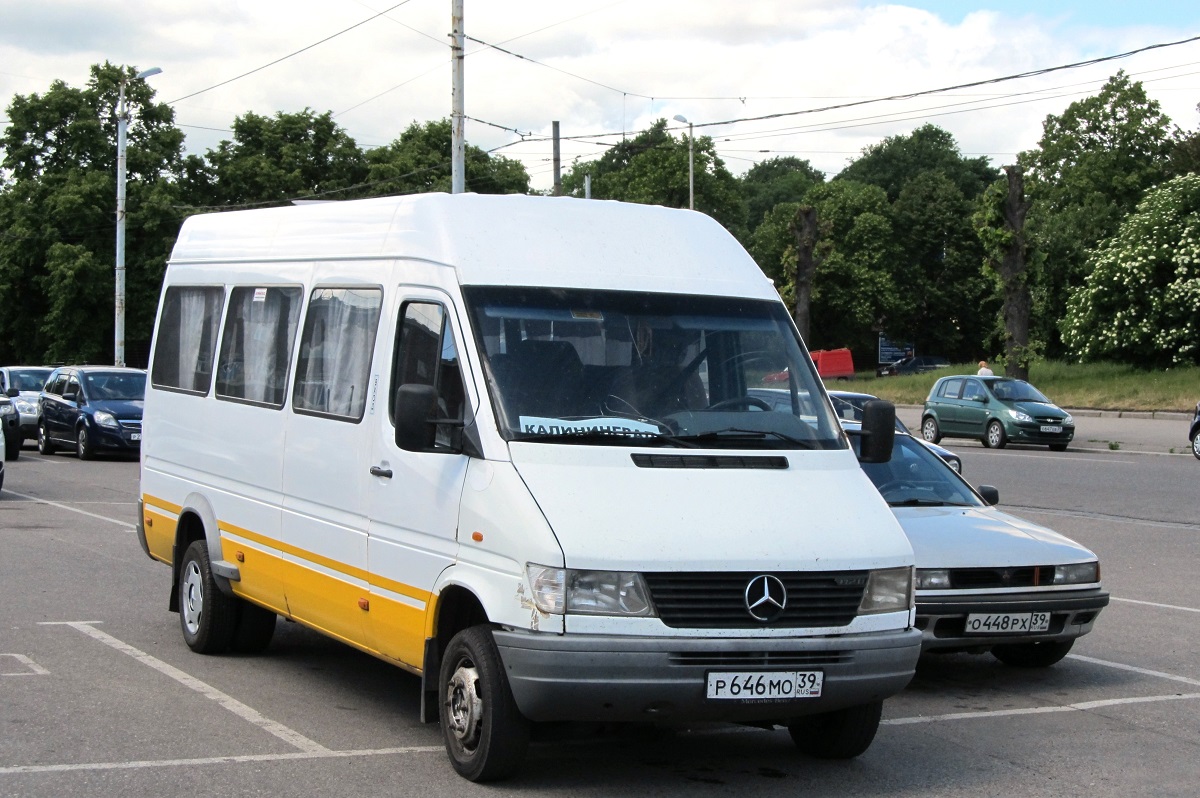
289 55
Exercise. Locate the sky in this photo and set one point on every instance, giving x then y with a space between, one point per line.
752 75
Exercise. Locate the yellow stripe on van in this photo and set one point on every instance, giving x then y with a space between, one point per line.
160 533
162 504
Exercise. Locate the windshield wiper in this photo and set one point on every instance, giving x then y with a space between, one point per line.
736 433
927 503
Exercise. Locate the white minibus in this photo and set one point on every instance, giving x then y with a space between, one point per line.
509 444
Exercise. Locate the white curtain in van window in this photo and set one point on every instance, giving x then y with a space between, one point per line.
266 349
337 362
198 312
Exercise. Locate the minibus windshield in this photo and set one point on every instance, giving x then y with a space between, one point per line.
631 369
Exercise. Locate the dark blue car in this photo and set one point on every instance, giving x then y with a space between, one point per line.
92 409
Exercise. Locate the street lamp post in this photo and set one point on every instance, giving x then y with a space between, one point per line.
122 125
691 161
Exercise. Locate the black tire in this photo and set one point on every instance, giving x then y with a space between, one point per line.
1058 447
1033 655
83 445
255 628
484 732
207 616
1196 445
930 430
993 436
841 734
44 444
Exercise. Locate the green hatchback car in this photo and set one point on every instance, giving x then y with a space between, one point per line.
995 410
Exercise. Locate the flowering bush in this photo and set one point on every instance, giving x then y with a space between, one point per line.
1140 302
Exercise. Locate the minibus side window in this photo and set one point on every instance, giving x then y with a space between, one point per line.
256 346
426 354
336 346
187 338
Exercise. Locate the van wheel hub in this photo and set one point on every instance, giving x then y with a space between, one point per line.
464 706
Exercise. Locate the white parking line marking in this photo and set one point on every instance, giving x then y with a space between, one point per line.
68 507
1156 604
31 667
228 702
1002 713
217 760
1134 669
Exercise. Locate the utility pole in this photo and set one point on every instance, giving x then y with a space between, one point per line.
458 182
557 164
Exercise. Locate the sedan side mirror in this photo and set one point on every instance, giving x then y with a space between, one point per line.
13 392
989 495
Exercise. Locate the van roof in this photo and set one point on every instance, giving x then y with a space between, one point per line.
488 239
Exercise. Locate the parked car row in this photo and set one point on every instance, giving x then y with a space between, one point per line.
87 409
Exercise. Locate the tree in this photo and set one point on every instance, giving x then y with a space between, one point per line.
419 161
652 168
776 180
277 159
896 160
1000 223
1140 303
57 214
1090 169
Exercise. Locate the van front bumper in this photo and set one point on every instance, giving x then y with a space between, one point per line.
617 678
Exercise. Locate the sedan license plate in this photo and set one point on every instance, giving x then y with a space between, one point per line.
764 686
135 436
1007 623
1051 428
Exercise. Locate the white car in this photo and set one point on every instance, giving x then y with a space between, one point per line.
986 580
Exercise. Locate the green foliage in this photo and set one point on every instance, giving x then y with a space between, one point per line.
1141 302
1091 167
893 162
419 161
768 183
652 168
57 217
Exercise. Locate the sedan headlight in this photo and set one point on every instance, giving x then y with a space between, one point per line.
106 419
7 409
888 590
933 579
25 406
1024 418
1068 418
562 591
1078 574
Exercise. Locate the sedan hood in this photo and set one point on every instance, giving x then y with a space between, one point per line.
983 537
819 513
1043 410
121 408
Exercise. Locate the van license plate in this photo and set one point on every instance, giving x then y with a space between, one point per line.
1007 623
760 686
1051 428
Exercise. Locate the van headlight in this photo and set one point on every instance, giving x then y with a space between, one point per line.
888 590
562 591
1083 573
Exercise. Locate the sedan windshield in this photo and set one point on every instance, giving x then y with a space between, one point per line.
115 386
29 379
916 477
625 368
1017 391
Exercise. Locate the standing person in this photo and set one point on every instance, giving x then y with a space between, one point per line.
984 371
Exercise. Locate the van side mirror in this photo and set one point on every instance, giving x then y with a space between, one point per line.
878 431
416 411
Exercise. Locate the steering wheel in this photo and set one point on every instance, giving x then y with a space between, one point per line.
740 401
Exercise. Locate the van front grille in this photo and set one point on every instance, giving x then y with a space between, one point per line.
706 600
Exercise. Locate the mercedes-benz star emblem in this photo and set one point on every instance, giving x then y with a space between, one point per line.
765 598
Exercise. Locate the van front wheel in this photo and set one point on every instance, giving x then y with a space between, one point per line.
207 616
841 734
485 734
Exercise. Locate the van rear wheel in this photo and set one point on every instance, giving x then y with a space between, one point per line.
207 616
485 734
841 734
